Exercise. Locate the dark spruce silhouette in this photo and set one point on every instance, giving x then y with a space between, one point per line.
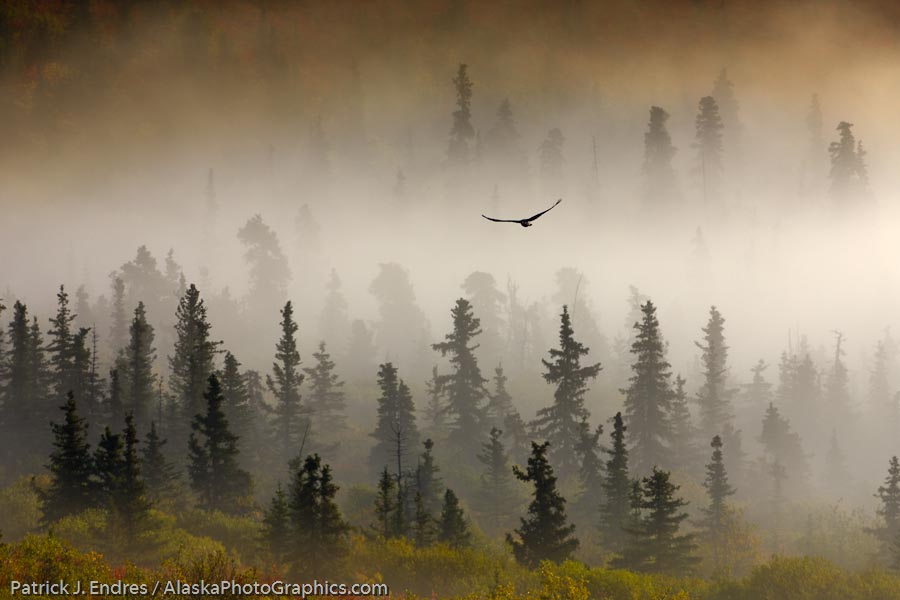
523 222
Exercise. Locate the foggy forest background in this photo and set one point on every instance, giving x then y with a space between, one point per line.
339 156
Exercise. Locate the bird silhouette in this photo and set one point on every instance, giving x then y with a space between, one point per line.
523 222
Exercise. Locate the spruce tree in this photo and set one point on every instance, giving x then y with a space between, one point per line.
708 143
590 474
139 376
682 444
385 504
849 180
276 525
495 500
160 477
108 467
71 465
550 154
889 510
428 484
396 413
648 396
130 498
290 423
326 397
616 504
723 92
269 271
334 323
783 445
462 133
500 402
488 303
463 387
545 533
331 531
118 334
714 396
452 528
714 521
836 392
758 393
237 399
216 478
656 545
560 423
435 411
517 438
23 389
192 361
60 350
423 525
659 176
115 406
318 532
80 374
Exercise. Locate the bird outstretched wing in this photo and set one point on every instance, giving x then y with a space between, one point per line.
543 211
501 220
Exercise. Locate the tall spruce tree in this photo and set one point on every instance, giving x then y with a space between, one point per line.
682 445
616 504
837 392
140 380
714 396
659 176
488 303
334 323
284 383
216 478
326 397
590 475
648 396
452 528
59 350
463 387
276 525
560 422
708 143
318 532
71 465
237 407
385 505
428 483
435 411
269 271
24 397
888 531
849 180
782 445
500 402
192 361
396 417
495 501
550 153
714 522
656 545
758 393
118 333
124 488
462 133
544 534
160 477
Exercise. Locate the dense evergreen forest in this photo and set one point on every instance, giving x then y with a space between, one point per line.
253 326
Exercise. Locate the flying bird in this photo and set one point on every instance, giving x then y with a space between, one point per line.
523 222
